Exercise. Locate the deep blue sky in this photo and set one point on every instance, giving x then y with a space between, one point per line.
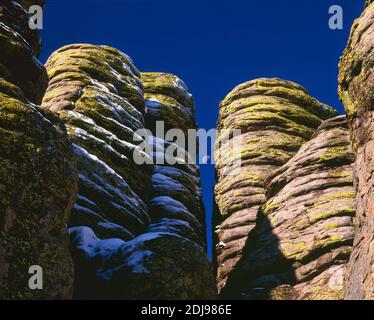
212 45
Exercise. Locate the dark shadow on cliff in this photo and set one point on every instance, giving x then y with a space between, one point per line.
261 268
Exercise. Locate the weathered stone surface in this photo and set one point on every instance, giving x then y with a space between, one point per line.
135 229
176 206
38 177
356 85
180 182
304 233
276 118
38 187
19 45
368 2
168 100
97 92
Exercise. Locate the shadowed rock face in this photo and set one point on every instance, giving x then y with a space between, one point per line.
180 182
19 45
38 178
176 206
356 83
304 233
136 230
276 118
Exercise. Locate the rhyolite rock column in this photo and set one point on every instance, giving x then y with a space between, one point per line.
97 92
38 177
356 87
303 236
176 206
276 118
125 243
368 2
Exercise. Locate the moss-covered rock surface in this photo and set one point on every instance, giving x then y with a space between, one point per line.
38 175
304 233
275 118
137 231
356 89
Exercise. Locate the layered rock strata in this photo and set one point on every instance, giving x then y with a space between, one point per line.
133 229
356 85
169 103
176 205
167 99
276 118
304 233
38 177
368 2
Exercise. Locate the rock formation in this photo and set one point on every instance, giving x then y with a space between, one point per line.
135 229
356 85
294 195
174 186
276 118
38 178
368 2
176 206
303 236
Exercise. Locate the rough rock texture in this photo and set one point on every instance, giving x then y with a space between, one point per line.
168 100
38 177
19 45
98 94
180 182
368 2
276 118
356 85
304 233
134 229
176 206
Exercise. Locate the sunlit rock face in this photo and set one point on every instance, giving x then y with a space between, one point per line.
98 94
276 118
136 229
303 236
356 85
38 176
167 99
368 2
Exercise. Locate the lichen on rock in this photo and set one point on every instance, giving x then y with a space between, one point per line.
97 92
19 47
356 83
276 117
137 230
304 233
38 175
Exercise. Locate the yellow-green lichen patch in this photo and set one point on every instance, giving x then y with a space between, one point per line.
38 187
